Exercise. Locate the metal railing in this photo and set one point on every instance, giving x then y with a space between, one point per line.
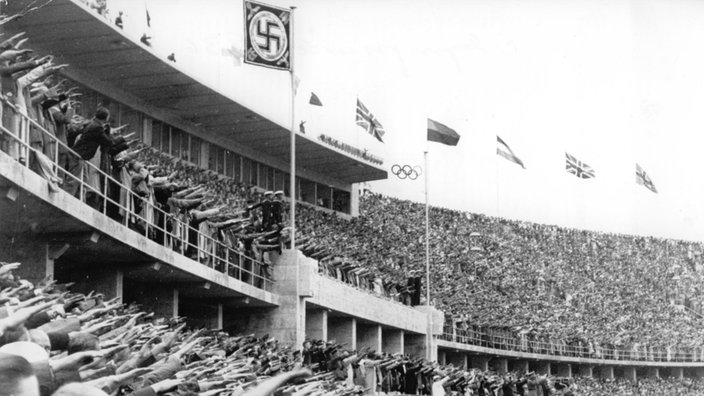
474 335
168 230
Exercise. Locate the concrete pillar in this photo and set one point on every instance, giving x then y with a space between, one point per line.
354 200
629 373
479 362
564 370
606 372
586 371
442 357
500 365
220 317
521 366
369 336
677 372
343 330
654 372
317 324
415 345
392 341
457 359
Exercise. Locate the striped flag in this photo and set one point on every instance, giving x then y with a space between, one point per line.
441 133
578 168
366 120
643 179
505 151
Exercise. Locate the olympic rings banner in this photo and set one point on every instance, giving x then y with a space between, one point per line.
407 171
267 35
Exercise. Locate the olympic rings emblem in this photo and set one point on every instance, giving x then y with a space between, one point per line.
406 171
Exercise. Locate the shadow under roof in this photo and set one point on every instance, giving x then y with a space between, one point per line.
78 36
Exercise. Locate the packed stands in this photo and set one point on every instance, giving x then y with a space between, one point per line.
529 284
80 343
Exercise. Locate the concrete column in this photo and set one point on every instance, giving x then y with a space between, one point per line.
457 359
220 316
369 336
317 324
629 373
564 370
542 368
677 372
415 344
392 341
654 372
521 366
343 330
442 358
586 371
354 200
500 365
479 362
174 305
606 372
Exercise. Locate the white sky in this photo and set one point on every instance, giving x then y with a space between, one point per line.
613 82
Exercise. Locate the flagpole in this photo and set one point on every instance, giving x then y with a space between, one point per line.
429 339
292 189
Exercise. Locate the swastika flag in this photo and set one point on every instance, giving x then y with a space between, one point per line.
267 35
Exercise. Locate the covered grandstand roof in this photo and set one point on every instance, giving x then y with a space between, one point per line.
67 28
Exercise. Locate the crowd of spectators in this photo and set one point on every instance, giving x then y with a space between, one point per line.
528 282
522 283
214 220
56 342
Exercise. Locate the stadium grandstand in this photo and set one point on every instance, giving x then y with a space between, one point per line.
146 248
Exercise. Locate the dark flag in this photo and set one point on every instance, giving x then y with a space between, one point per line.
578 168
267 35
149 19
643 179
366 120
505 151
314 100
441 133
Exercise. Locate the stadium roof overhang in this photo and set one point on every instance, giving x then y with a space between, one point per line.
77 36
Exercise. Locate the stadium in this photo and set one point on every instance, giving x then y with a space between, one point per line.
179 217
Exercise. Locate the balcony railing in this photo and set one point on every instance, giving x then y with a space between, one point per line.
167 230
480 337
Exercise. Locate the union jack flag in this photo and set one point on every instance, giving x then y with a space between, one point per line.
366 120
643 179
578 168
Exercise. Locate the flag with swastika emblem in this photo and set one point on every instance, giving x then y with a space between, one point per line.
267 35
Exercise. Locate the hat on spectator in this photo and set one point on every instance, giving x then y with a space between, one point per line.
267 193
28 350
102 113
279 192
